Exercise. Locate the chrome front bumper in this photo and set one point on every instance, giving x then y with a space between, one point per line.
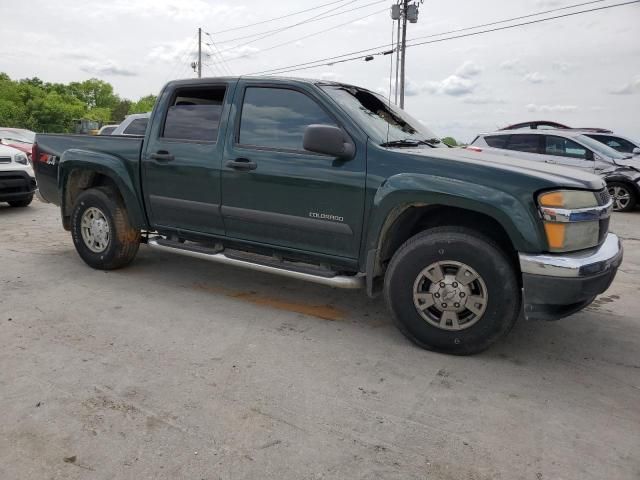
578 264
557 285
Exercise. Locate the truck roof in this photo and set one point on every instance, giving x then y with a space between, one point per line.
266 78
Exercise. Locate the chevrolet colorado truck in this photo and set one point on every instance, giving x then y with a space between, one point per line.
330 183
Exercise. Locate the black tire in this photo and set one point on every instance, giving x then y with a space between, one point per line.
23 202
124 239
455 244
629 190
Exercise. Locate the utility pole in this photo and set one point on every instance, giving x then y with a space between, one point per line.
397 63
199 52
403 52
403 11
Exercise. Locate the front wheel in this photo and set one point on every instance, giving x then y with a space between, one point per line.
101 230
623 195
452 290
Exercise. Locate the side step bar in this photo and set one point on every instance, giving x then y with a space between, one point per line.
214 255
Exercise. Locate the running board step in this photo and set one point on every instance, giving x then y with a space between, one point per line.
259 263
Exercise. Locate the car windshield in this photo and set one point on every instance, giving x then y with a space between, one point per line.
601 148
22 136
385 123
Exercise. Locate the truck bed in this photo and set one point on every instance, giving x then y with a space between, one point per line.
54 145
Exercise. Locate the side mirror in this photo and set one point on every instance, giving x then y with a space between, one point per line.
636 151
329 140
589 155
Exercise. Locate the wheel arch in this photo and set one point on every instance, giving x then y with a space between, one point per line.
80 170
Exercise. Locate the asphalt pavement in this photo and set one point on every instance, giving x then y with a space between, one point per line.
175 368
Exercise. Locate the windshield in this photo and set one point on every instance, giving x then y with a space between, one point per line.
385 123
601 148
23 136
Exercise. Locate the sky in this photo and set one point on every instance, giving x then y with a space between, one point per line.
582 70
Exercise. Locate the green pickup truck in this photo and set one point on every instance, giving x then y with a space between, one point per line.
330 183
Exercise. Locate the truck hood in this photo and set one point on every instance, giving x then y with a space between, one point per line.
562 176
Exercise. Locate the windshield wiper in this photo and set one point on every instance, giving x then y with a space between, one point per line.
410 142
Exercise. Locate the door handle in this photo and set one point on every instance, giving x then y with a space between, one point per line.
551 161
162 156
242 164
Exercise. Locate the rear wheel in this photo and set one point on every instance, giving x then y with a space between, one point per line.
23 202
452 290
624 196
101 229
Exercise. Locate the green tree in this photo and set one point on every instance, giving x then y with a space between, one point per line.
450 141
94 93
120 111
145 104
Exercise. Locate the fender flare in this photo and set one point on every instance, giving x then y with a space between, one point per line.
113 167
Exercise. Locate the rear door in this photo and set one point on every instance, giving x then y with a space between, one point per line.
182 158
565 151
273 191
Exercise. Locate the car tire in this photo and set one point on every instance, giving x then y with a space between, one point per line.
493 299
102 232
24 202
624 196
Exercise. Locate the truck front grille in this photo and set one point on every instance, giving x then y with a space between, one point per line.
5 159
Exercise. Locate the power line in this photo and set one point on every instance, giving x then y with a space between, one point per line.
315 18
277 18
311 34
341 59
213 46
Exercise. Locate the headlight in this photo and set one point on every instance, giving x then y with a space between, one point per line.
574 219
21 158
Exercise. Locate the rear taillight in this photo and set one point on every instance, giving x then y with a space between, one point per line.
473 149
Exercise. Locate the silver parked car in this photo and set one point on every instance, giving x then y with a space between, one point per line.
572 149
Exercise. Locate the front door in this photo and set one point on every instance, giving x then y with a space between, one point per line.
181 162
564 151
276 193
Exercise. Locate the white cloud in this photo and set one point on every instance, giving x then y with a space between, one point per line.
107 68
535 77
458 84
482 100
628 88
174 9
563 67
532 107
468 70
514 65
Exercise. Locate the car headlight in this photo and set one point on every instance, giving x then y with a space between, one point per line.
21 158
574 219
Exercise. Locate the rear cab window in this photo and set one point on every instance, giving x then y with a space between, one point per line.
277 118
194 114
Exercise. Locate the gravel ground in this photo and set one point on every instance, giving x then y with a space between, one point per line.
175 368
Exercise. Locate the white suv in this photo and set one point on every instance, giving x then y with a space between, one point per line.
571 149
17 181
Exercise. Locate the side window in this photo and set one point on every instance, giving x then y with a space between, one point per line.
136 127
563 147
194 114
617 143
277 117
497 141
524 143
